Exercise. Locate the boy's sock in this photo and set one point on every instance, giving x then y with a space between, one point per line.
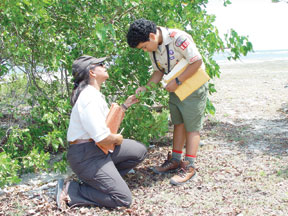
176 155
191 159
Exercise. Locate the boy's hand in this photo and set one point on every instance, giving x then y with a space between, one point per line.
171 86
140 89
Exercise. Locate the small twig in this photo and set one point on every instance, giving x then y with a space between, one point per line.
67 83
5 137
125 12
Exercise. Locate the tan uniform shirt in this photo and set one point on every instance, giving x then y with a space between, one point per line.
181 45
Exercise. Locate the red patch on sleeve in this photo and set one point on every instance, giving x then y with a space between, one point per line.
173 34
184 45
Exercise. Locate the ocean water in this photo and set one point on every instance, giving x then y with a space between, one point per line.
253 57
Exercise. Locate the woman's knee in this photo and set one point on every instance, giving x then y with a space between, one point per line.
139 149
142 151
123 199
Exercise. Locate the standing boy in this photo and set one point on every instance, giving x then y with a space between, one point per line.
166 48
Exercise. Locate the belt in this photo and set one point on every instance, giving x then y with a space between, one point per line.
81 141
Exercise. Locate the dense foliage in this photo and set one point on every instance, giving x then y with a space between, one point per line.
41 38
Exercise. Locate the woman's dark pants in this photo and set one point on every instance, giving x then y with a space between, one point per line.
101 174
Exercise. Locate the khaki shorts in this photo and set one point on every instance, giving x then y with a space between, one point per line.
189 111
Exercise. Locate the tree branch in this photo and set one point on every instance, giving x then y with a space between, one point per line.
125 12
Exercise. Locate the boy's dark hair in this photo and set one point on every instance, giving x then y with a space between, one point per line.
139 32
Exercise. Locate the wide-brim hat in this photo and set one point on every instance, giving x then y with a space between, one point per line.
81 63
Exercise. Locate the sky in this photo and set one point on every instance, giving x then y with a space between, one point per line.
265 23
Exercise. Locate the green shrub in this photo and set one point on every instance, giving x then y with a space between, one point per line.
43 132
141 122
61 165
143 125
9 169
36 160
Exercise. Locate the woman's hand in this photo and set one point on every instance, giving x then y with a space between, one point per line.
118 139
130 101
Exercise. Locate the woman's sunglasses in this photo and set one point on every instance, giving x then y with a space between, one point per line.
102 64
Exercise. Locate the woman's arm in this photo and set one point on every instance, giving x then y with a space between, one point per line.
116 139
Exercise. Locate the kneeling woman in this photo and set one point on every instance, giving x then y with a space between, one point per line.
101 173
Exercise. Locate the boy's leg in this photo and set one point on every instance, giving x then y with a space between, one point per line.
192 110
171 165
187 170
179 138
192 145
173 161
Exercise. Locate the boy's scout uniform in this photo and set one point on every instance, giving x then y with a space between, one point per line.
176 45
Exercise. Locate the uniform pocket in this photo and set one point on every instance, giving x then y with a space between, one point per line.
202 91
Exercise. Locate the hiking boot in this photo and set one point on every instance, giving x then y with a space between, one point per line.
185 173
169 165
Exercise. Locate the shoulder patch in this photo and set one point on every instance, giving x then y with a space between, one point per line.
184 45
180 40
172 34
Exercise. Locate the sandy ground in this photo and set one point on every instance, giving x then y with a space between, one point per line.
242 163
255 96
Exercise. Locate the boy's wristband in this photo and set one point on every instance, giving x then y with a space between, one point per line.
178 81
